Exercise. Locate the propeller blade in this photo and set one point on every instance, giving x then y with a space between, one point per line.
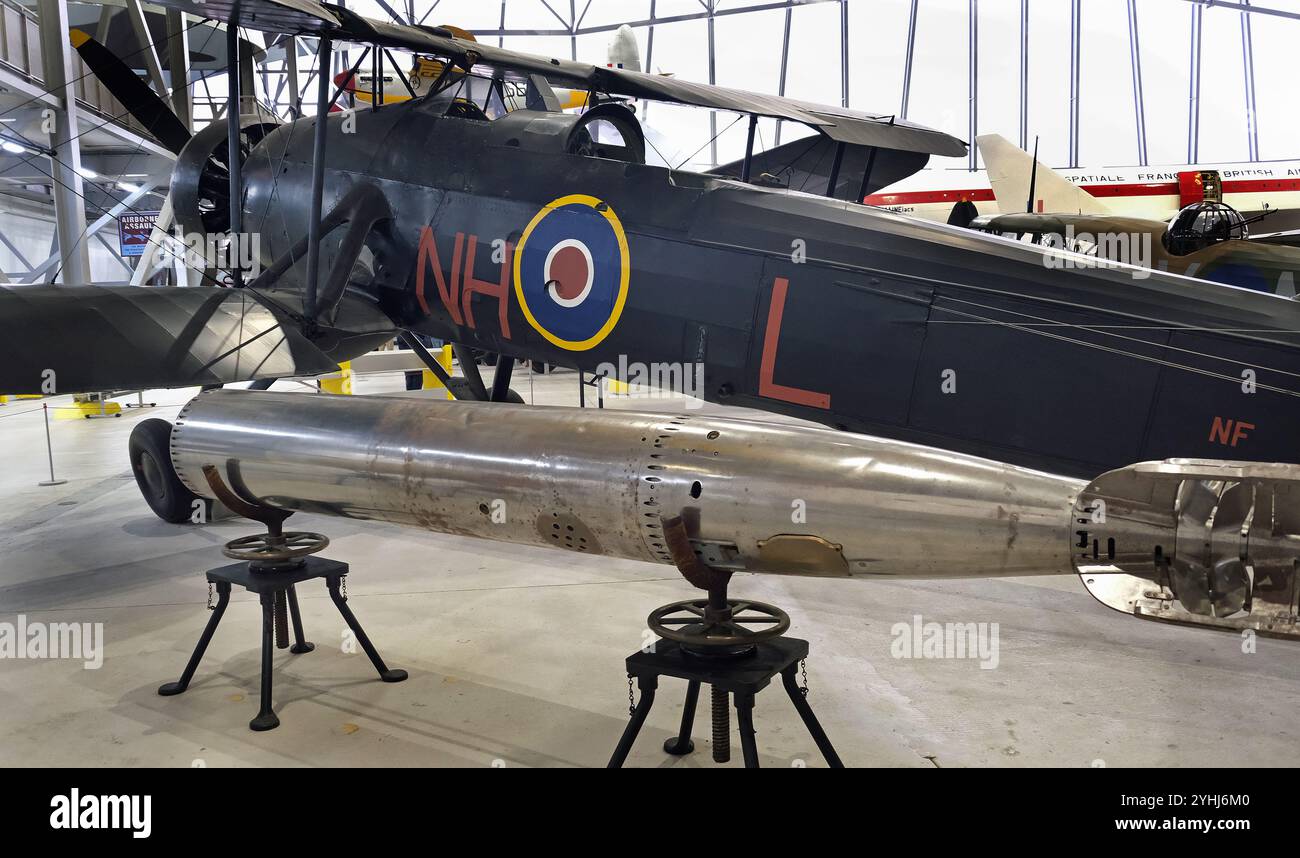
136 96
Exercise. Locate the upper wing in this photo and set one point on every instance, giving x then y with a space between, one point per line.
308 17
74 339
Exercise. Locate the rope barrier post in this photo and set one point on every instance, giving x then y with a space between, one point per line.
49 449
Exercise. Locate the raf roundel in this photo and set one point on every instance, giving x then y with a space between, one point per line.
571 272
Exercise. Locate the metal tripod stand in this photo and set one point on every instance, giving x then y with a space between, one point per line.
273 563
735 647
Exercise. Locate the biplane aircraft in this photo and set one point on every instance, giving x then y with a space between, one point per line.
544 235
394 86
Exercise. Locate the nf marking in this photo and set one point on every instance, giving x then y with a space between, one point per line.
1229 432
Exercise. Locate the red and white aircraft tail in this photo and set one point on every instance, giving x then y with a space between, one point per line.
1012 172
1154 193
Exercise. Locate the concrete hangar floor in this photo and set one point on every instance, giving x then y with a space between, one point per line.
516 654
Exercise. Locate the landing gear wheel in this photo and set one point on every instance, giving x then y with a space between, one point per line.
151 462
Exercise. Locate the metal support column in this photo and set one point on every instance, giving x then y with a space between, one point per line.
1076 51
113 255
713 80
57 258
1194 88
1135 64
973 80
907 60
1248 75
147 49
65 164
18 254
1024 74
105 19
178 67
785 68
844 53
649 56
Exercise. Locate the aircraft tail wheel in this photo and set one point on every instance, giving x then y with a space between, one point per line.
513 397
151 462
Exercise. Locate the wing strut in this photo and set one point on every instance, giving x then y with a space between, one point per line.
866 175
501 381
459 387
749 149
233 154
323 54
469 368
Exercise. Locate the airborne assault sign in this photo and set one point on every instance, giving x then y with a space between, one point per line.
133 231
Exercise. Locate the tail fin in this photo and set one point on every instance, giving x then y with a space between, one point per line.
1011 169
624 53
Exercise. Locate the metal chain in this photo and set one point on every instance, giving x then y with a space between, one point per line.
211 605
803 669
631 697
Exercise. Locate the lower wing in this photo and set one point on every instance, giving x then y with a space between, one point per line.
77 339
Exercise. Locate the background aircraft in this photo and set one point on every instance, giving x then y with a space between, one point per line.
1206 239
622 53
1209 241
1151 193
